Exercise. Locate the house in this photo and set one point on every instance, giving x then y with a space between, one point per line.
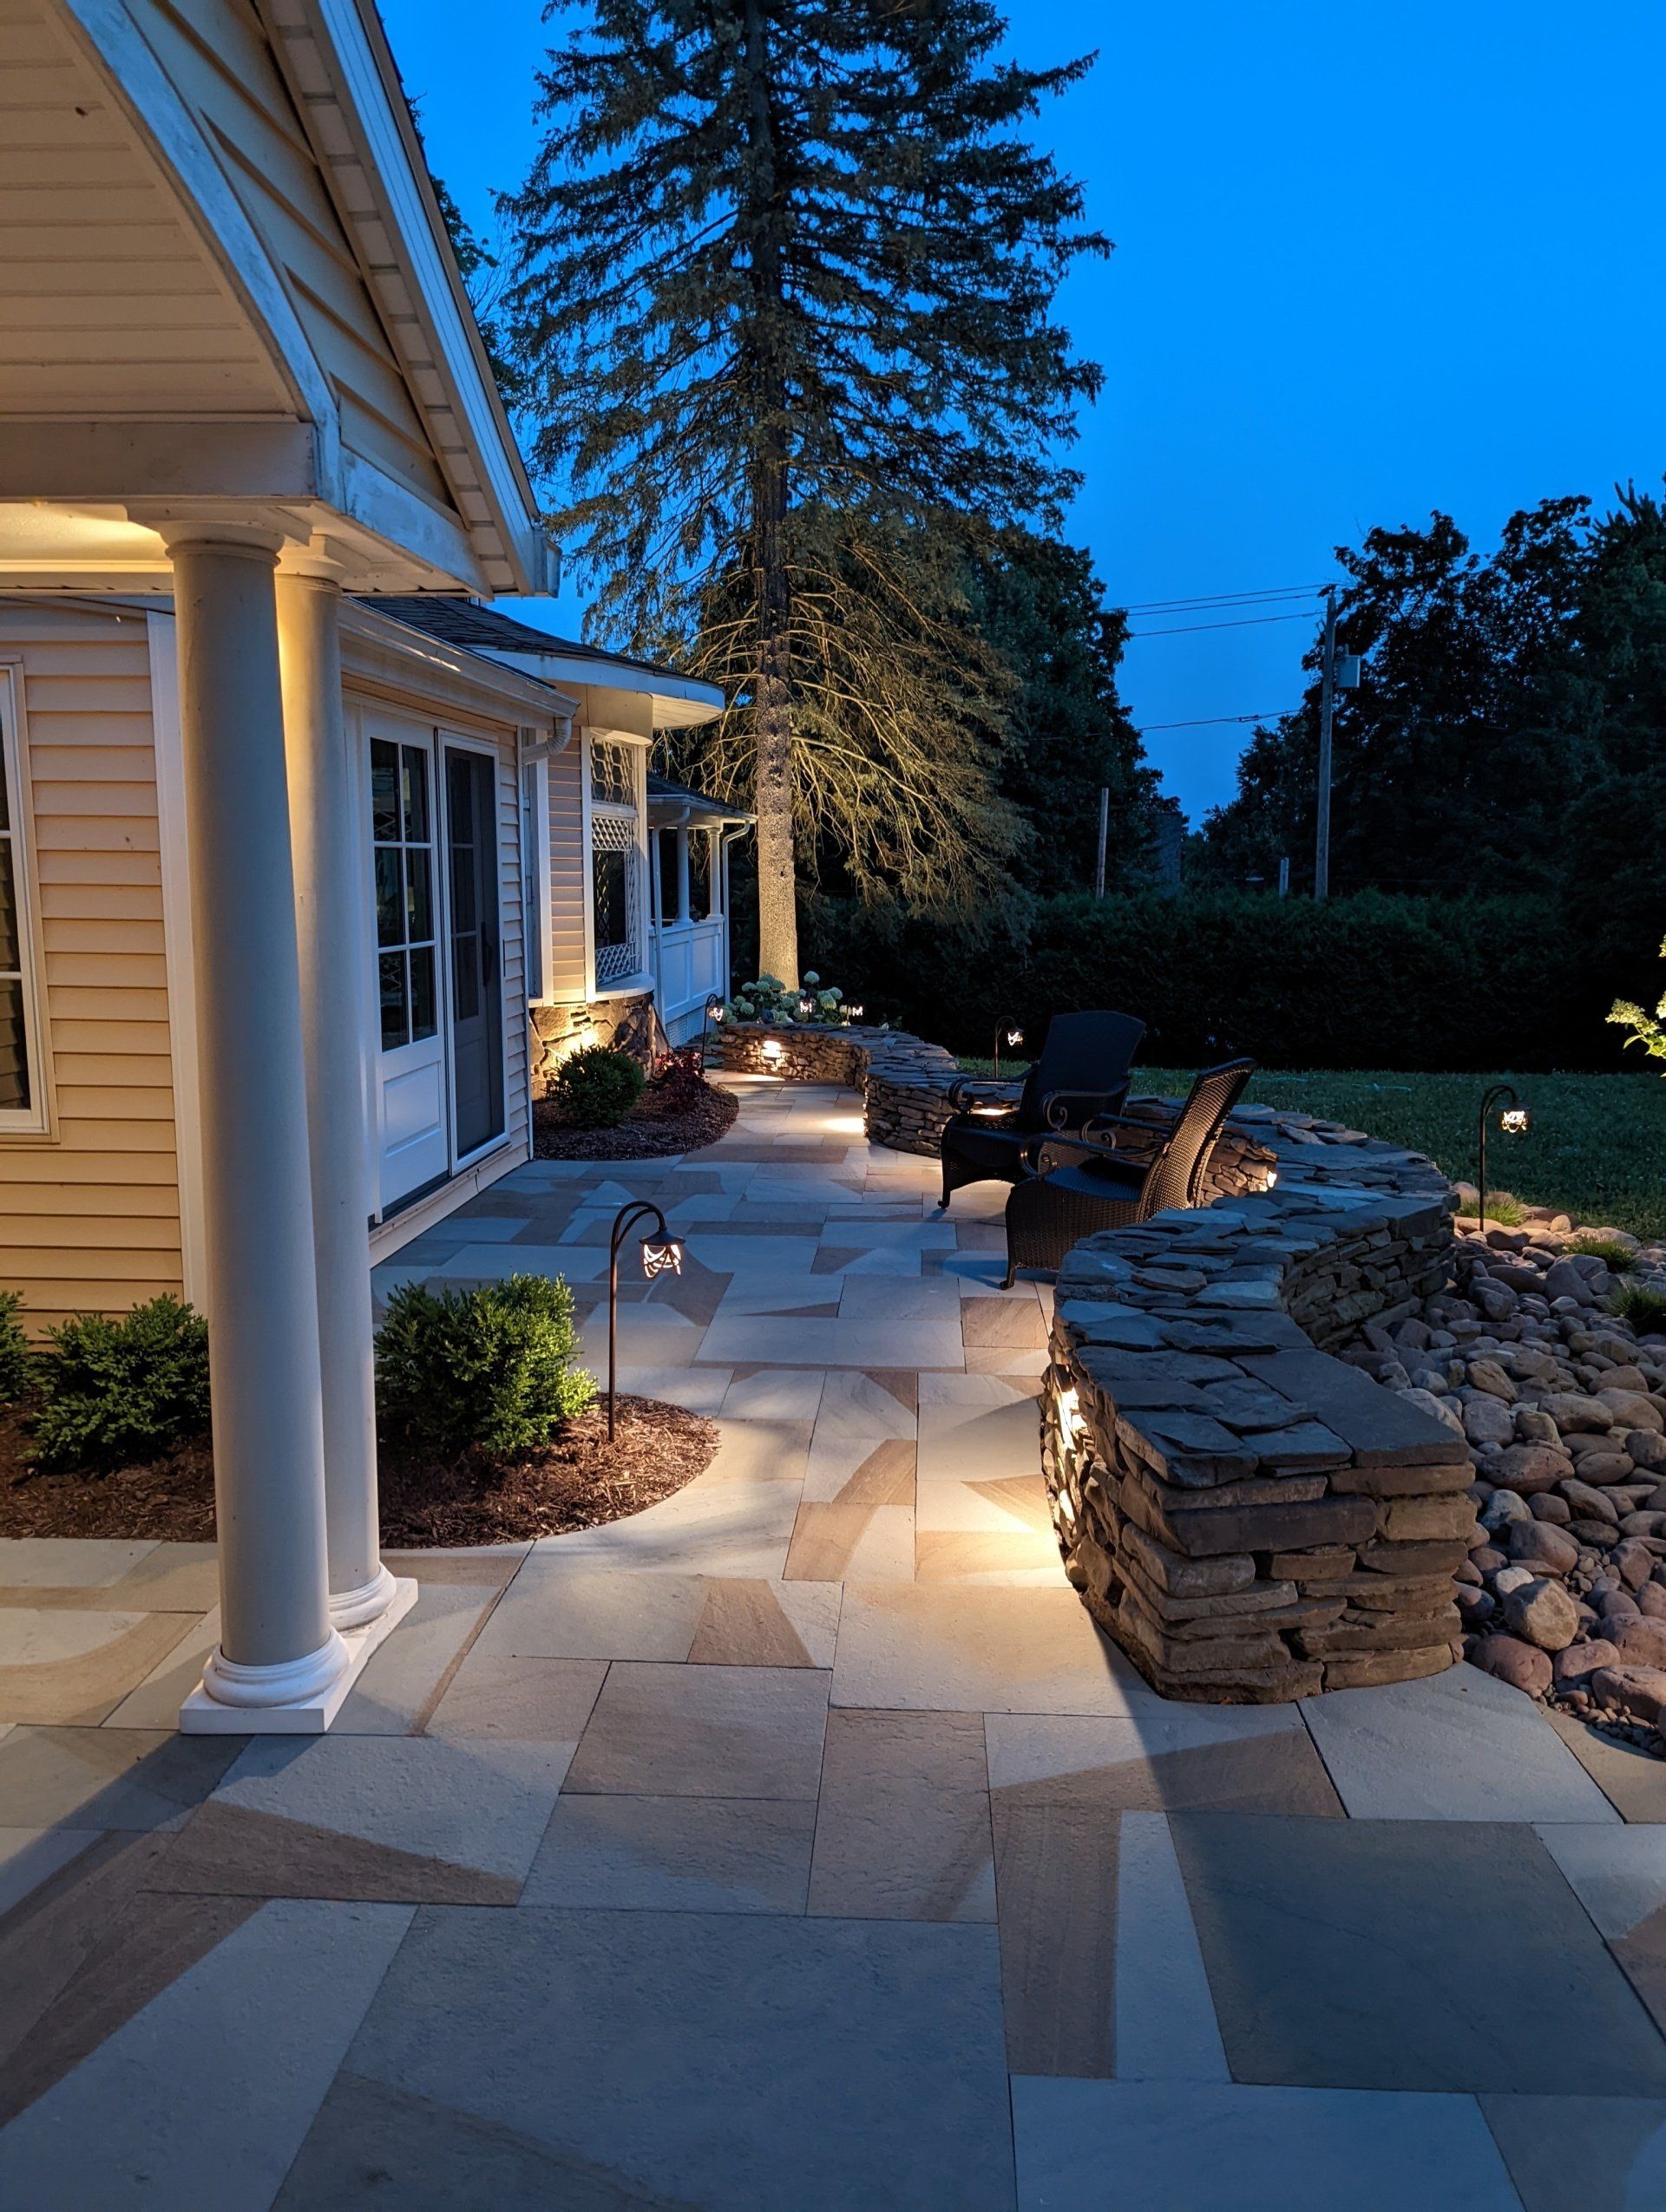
267 945
633 921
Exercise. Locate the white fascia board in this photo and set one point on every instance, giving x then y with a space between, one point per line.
115 43
375 101
418 655
406 520
678 700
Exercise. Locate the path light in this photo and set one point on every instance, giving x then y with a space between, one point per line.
714 1011
806 1008
1012 1036
855 1014
1514 1120
662 1254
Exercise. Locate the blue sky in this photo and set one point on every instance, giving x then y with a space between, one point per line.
1371 259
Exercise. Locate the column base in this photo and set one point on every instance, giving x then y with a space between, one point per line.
358 1608
205 1714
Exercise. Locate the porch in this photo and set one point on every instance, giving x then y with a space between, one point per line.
815 1789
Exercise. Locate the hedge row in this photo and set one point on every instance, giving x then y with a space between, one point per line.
1369 981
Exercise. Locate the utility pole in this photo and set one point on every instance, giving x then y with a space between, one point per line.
1104 834
1327 707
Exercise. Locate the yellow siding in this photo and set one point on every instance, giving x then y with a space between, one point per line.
89 1214
569 888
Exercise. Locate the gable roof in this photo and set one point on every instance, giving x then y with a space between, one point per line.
679 700
283 325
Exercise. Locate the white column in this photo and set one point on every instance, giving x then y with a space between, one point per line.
332 944
277 1646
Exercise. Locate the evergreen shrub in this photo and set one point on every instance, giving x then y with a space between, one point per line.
14 1348
596 1088
487 1370
114 1393
1372 980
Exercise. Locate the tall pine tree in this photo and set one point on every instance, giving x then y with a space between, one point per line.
783 298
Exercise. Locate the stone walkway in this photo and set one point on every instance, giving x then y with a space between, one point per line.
800 1844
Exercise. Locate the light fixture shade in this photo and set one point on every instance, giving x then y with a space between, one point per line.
1515 1121
855 1012
662 1255
1014 1038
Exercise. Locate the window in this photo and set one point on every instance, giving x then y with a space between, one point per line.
699 875
616 885
19 1076
613 773
402 826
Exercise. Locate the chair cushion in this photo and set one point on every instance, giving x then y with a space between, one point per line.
1097 1179
985 1144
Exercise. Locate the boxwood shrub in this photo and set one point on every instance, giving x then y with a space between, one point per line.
14 1348
114 1393
488 1370
596 1088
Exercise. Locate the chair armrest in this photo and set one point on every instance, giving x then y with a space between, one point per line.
1056 1102
962 1093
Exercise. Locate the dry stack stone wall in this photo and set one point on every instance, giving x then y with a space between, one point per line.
903 1081
1252 1518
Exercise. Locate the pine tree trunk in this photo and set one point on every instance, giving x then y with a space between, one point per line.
778 907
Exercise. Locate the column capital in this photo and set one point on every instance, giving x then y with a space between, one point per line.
178 529
321 559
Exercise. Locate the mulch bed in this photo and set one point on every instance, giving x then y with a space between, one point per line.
665 1120
580 1482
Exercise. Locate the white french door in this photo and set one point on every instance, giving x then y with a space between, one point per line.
412 1118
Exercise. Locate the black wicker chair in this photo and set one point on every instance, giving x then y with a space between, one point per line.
1074 1185
1083 1070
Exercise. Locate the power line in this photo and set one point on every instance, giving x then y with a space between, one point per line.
1213 721
1223 598
1250 622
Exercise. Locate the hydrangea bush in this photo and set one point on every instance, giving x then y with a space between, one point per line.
772 1002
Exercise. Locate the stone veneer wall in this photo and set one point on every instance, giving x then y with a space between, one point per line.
557 1031
1250 1518
903 1081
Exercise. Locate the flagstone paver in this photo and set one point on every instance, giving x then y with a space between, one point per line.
799 1842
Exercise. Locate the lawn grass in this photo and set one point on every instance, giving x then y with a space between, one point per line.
1597 1148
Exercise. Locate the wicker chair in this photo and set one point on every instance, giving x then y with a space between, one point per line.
1083 1071
1074 1185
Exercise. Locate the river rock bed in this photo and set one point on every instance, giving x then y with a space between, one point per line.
1562 1406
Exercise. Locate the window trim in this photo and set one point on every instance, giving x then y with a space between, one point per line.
37 1119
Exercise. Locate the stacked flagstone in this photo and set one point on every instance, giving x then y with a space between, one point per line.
904 1082
1251 1519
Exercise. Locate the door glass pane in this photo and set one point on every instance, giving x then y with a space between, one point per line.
419 894
465 976
699 875
423 1022
389 918
10 956
391 982
416 795
384 791
464 903
403 861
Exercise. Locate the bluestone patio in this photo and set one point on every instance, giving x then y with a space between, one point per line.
800 1843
